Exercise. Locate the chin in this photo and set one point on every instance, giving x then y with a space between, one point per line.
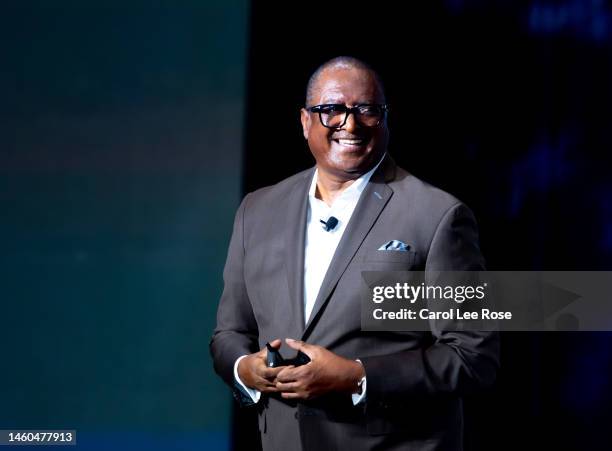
358 165
349 156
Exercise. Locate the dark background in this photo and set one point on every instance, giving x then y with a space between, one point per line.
507 105
129 132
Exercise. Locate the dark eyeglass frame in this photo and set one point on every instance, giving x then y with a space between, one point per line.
350 110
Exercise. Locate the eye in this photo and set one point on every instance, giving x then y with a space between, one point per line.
369 110
333 109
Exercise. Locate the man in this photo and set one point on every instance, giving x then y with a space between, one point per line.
292 278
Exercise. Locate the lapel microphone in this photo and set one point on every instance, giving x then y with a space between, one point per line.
330 224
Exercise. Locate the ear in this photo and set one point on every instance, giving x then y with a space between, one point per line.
306 123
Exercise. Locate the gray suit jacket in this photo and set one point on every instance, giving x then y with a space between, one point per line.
415 380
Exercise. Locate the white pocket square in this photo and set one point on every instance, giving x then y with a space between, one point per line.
394 245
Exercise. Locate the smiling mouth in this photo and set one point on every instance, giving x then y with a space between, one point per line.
352 142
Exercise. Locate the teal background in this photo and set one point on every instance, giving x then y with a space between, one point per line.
120 172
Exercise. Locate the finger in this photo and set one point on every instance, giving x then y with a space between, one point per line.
292 395
288 386
269 388
265 385
272 373
296 344
290 374
260 366
276 343
300 346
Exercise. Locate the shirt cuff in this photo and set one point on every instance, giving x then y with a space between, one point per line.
253 393
360 397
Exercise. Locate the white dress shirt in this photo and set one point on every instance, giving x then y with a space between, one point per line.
320 247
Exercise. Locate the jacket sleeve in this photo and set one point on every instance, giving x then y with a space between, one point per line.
236 332
457 362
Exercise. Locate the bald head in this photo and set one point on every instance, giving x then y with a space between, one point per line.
338 63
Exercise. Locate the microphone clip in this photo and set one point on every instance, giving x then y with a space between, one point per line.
330 224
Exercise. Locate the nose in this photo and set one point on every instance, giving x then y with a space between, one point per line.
351 123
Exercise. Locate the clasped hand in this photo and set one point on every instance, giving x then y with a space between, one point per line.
326 372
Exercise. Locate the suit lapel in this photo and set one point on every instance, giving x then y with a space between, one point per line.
295 231
371 203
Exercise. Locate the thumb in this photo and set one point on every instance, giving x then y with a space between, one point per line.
276 344
298 345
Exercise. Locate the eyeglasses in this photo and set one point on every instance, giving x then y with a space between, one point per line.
334 115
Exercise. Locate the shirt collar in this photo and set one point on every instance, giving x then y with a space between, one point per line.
351 193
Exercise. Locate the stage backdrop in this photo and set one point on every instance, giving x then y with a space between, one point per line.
507 105
120 171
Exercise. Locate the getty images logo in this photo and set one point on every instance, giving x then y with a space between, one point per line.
412 293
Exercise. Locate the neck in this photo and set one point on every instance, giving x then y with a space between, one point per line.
330 186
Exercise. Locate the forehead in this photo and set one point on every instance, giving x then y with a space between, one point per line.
347 85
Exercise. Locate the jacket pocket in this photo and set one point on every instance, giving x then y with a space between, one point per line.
400 257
